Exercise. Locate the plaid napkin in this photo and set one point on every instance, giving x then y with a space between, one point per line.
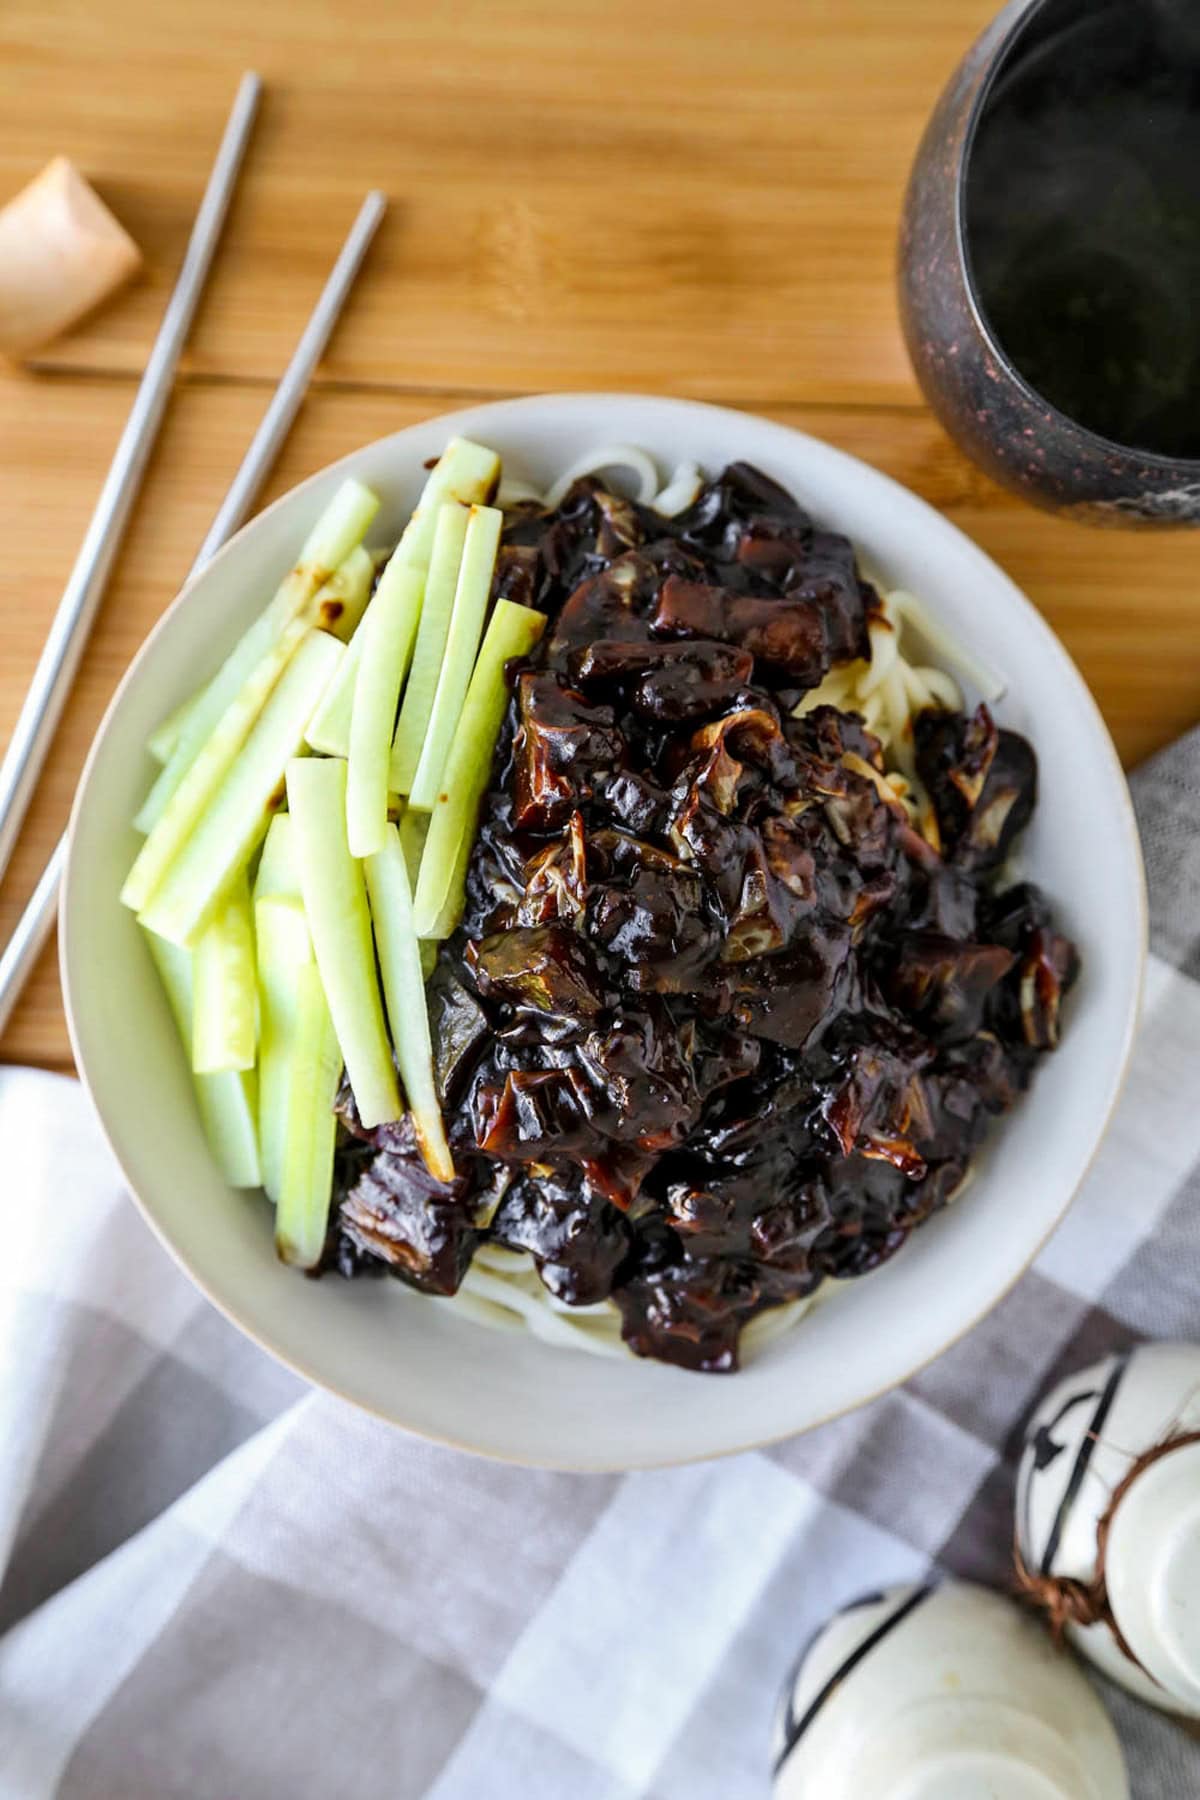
220 1585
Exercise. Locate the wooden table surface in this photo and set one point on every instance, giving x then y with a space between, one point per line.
699 201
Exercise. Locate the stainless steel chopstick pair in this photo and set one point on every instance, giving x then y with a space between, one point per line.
26 753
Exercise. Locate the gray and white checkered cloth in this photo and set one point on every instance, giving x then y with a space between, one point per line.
219 1585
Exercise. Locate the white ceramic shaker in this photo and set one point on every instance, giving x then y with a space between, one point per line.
945 1693
1108 1518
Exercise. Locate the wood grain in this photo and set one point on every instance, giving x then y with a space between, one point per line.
697 200
582 197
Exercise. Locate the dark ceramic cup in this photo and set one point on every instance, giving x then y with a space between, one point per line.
1050 257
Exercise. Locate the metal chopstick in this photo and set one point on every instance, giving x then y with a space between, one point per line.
33 927
72 622
31 931
280 414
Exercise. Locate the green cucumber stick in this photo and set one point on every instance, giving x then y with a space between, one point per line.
310 1131
414 829
442 924
225 994
221 749
329 728
335 900
276 876
164 738
227 1103
235 821
440 586
340 527
285 947
471 597
342 601
465 472
337 608
404 991
387 634
512 632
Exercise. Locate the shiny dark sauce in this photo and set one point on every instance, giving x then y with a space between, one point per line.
1083 216
718 1022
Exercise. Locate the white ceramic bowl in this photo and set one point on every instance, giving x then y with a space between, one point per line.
389 1350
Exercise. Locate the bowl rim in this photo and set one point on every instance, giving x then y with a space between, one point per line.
998 63
906 1366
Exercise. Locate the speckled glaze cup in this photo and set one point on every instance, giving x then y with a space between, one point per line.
946 1693
1108 1518
970 381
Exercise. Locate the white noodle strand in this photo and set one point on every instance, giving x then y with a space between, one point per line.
679 493
515 492
612 456
903 607
885 650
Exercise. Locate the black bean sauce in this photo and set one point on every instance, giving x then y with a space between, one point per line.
718 1023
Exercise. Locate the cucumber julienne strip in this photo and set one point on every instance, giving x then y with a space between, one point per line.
234 823
283 944
335 901
225 995
329 728
513 632
342 601
440 588
227 1103
186 806
387 632
464 472
284 948
338 608
462 641
164 738
306 1177
339 529
438 926
276 877
404 991
414 829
